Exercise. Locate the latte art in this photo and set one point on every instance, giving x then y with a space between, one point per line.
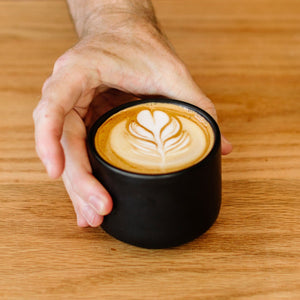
154 138
157 134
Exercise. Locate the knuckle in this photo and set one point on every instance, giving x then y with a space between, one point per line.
69 66
37 112
174 68
63 61
68 59
46 84
180 69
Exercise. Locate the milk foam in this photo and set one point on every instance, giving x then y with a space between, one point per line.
154 138
157 134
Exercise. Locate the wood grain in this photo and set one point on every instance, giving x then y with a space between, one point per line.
245 56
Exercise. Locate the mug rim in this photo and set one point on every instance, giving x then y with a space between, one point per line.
108 114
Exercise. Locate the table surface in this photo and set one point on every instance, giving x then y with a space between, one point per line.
245 55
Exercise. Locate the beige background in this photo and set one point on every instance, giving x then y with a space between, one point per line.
245 56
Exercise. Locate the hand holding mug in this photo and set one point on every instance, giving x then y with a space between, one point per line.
131 55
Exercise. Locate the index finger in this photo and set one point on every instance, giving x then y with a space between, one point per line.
60 94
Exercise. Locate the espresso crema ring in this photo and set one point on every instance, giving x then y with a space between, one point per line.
154 138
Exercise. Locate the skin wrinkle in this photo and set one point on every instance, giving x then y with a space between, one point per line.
136 45
126 18
141 48
123 13
122 53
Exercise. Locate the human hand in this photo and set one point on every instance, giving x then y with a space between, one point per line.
135 59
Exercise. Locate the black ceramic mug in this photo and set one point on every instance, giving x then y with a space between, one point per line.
160 210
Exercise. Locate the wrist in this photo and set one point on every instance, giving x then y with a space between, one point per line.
95 17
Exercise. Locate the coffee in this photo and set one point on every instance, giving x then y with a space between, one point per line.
154 138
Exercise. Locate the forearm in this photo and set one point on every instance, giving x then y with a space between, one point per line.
96 16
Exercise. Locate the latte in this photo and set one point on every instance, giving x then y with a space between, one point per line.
154 138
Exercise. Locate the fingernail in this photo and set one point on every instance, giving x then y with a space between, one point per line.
88 213
81 221
97 204
49 167
225 140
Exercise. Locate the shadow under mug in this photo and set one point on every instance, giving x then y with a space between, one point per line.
161 210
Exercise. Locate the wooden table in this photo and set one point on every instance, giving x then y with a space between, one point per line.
245 55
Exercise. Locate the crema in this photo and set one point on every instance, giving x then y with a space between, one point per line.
154 138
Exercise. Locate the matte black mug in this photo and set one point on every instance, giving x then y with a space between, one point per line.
162 210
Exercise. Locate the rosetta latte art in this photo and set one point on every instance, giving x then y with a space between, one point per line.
157 134
154 138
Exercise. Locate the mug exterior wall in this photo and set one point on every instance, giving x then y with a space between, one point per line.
159 211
